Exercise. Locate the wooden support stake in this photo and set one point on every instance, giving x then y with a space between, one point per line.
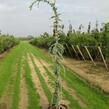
89 55
80 52
103 57
74 50
68 49
65 50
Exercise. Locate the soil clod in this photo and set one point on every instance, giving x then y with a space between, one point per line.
3 106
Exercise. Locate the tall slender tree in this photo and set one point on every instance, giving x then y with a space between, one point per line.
89 27
57 51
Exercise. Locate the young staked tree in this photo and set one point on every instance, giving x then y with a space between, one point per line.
57 51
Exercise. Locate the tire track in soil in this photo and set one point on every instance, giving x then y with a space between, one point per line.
47 79
72 92
43 99
23 104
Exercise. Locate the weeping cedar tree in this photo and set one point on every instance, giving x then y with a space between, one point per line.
57 51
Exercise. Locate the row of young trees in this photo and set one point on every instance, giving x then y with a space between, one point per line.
91 39
6 42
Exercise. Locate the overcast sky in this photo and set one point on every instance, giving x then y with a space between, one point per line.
16 18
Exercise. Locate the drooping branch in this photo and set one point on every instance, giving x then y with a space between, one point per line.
55 12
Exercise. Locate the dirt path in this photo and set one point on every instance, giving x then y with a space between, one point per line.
2 55
43 99
23 104
40 63
98 77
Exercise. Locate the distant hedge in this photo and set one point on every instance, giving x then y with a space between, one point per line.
92 40
7 42
43 42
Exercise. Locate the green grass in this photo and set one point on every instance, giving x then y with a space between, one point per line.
73 103
16 91
42 81
6 68
37 52
11 65
13 62
32 95
93 98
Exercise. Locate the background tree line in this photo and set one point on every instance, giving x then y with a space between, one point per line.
7 42
99 36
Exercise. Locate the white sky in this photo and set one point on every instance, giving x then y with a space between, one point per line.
16 18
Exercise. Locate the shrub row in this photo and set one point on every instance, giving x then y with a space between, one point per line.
43 42
7 42
92 40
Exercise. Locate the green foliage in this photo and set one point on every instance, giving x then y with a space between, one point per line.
91 40
82 40
45 42
7 42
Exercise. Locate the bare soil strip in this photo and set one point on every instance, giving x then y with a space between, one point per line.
43 99
23 104
98 78
2 55
41 64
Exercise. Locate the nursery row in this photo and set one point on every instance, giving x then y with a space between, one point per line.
7 42
92 40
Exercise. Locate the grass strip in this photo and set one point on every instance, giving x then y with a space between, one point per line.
93 98
73 103
37 52
42 81
6 68
33 96
16 92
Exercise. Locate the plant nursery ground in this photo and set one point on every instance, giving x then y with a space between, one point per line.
27 81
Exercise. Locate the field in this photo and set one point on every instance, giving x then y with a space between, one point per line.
27 82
